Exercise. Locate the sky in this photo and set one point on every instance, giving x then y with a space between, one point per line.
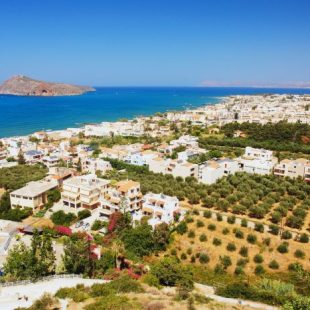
157 43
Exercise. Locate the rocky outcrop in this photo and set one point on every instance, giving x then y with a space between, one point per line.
24 86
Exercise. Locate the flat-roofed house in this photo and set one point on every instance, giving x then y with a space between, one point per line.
212 170
291 168
307 172
123 196
33 195
92 165
159 208
83 191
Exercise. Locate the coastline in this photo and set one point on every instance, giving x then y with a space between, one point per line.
23 116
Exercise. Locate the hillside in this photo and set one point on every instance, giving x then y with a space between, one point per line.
24 86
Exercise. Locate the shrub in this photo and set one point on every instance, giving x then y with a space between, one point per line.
183 256
244 223
274 229
62 218
98 225
83 214
299 254
258 259
283 248
241 262
304 238
217 241
189 219
286 235
181 228
193 259
244 251
251 238
207 214
274 264
191 234
204 258
219 217
203 237
231 219
225 261
189 251
200 224
266 241
259 227
239 234
259 270
239 271
225 231
231 247
212 227
173 252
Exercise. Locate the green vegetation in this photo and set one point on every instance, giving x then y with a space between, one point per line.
62 218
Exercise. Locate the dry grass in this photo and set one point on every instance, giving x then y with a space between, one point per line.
182 243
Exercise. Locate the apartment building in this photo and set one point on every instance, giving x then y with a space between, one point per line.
186 140
84 191
92 165
212 170
141 158
33 195
33 156
180 168
159 208
291 168
50 161
258 161
123 196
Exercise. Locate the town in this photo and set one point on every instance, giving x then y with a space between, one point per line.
161 171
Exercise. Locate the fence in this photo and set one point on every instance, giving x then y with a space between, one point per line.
44 279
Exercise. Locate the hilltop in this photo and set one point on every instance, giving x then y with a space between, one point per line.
25 86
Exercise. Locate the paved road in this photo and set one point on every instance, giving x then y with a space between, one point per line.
209 291
9 295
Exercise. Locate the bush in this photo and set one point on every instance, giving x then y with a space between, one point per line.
204 258
191 234
83 214
97 225
241 262
259 270
217 241
274 264
299 254
212 227
274 229
207 214
239 271
258 259
239 234
251 238
200 224
244 223
286 235
283 248
259 227
225 231
173 252
189 251
183 256
231 247
231 219
62 218
225 261
244 251
303 238
181 229
203 237
219 217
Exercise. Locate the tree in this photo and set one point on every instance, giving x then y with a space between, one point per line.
161 236
31 262
21 159
18 265
77 255
138 240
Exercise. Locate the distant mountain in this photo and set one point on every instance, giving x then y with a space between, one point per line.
24 86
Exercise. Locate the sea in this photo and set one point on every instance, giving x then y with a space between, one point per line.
21 115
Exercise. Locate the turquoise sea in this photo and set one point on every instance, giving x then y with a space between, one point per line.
24 115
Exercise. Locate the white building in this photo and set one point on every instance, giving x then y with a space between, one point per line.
212 170
159 207
141 158
291 168
33 156
33 195
186 140
123 196
258 161
92 165
83 191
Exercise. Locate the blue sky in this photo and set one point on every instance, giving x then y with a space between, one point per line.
162 42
